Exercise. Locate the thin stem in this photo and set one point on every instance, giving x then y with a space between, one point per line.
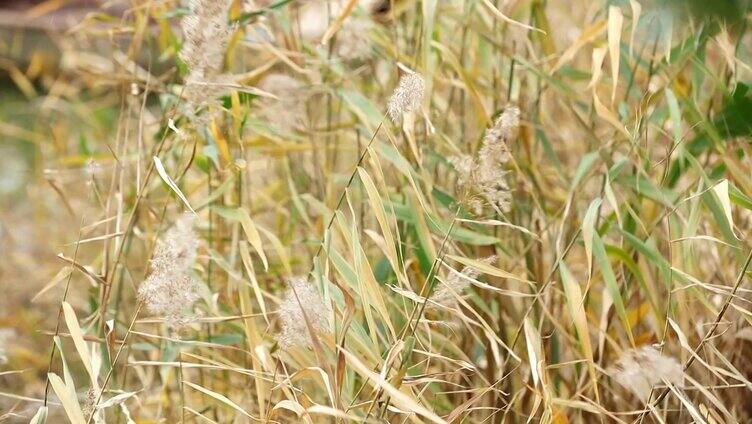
59 315
344 192
114 362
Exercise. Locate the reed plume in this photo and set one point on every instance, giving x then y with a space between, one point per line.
408 96
300 303
170 290
206 34
456 282
484 178
639 370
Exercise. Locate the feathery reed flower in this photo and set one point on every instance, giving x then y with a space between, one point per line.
295 310
177 250
464 165
408 95
456 282
485 178
504 129
169 290
638 370
207 34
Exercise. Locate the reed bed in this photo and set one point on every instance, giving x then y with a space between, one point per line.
381 211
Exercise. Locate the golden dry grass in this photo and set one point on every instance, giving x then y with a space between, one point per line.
629 179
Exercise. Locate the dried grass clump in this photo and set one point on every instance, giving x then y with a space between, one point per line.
619 217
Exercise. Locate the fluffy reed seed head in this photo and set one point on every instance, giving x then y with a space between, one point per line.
464 165
206 33
492 158
294 310
408 96
456 282
170 295
485 178
505 127
638 370
170 290
177 248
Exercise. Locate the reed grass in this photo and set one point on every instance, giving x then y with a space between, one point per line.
378 211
